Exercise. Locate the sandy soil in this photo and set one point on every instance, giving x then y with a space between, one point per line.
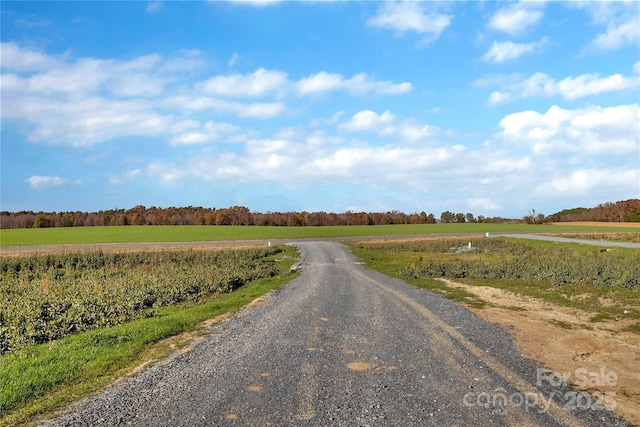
596 357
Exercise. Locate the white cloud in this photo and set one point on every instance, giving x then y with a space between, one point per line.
154 6
621 20
209 132
126 177
366 120
187 62
410 16
358 84
16 58
255 110
255 85
269 82
321 82
516 18
601 181
610 130
562 145
497 97
257 3
31 24
626 33
233 61
38 182
593 84
330 121
540 84
505 51
483 203
386 124
300 164
138 76
80 102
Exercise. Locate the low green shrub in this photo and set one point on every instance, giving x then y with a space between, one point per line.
47 297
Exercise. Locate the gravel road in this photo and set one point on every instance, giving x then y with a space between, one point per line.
341 345
568 240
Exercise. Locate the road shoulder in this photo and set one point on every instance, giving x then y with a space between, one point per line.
564 341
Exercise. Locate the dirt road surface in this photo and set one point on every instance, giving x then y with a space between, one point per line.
341 345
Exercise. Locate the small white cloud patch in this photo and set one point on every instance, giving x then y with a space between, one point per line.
38 182
410 16
508 50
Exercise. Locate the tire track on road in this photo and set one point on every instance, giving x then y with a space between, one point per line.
500 369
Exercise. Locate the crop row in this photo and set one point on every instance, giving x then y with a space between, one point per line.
46 297
506 259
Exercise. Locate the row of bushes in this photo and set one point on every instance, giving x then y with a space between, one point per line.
507 259
46 297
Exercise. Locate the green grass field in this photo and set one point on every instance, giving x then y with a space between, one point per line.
198 233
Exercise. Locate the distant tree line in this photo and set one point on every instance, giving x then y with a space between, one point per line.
235 215
622 211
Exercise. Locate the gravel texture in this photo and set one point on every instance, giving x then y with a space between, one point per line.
343 346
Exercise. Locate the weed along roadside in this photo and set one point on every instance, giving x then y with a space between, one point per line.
573 308
57 349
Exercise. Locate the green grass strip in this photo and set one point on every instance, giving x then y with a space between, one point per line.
389 263
201 233
43 378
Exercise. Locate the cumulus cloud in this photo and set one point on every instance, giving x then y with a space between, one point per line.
138 76
255 85
559 144
208 132
588 130
386 124
16 58
508 50
255 110
616 36
540 84
289 162
621 21
38 182
409 16
515 18
599 182
83 101
263 82
86 121
358 84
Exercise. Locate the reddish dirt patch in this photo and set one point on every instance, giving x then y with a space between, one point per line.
565 341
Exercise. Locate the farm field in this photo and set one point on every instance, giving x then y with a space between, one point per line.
567 306
104 345
72 322
196 233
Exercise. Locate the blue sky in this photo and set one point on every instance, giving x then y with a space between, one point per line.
493 108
